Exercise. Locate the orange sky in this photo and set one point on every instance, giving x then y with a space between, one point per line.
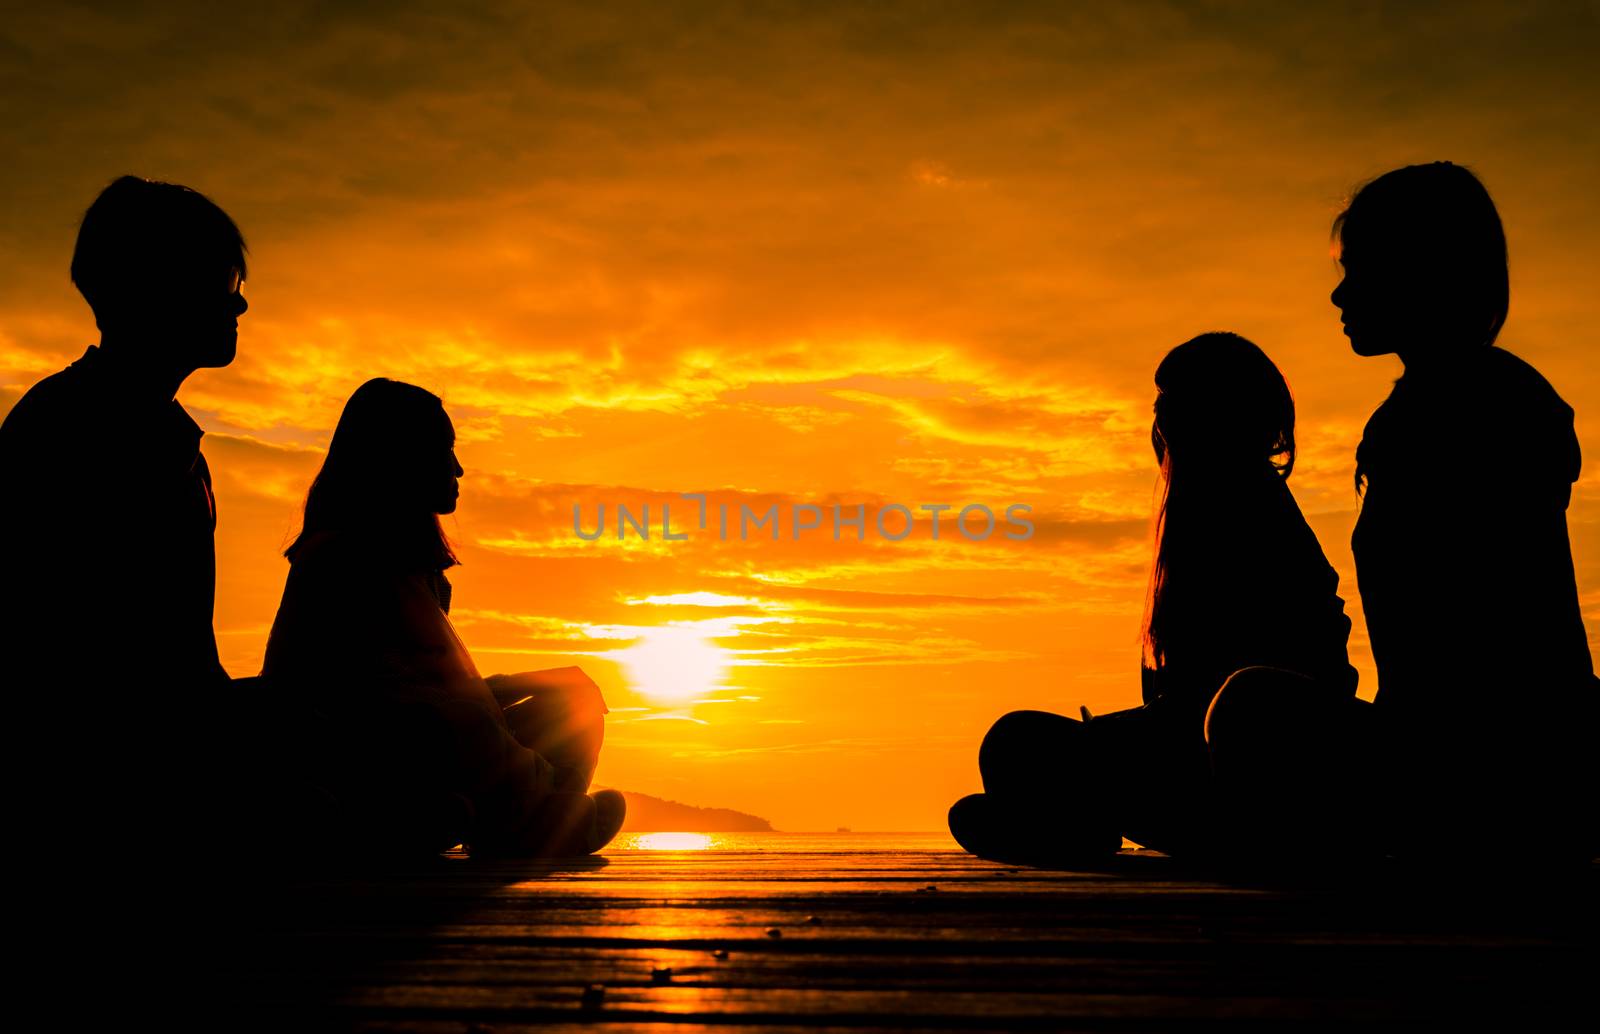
815 253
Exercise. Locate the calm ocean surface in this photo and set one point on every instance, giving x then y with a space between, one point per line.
781 843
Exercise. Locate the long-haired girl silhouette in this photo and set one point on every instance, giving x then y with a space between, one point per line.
1237 579
418 747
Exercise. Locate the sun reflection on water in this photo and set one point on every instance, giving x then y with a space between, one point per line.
667 841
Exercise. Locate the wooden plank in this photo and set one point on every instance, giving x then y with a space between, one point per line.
865 944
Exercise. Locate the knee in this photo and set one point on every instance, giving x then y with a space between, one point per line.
1014 725
1250 702
1023 747
1005 737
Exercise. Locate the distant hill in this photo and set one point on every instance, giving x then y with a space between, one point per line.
647 814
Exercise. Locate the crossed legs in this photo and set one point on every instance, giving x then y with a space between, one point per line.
1275 756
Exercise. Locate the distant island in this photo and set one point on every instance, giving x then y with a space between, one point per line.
647 814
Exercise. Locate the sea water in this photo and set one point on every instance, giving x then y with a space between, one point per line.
782 843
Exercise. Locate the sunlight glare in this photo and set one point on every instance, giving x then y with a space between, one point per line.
674 663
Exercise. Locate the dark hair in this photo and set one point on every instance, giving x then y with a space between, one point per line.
1436 223
361 490
1224 416
139 234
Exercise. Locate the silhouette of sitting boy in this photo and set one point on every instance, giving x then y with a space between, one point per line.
112 515
112 671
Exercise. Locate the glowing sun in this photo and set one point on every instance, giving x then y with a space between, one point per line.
674 663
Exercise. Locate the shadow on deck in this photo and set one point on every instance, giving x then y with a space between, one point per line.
901 938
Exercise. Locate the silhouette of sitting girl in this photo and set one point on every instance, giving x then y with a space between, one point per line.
1481 738
1238 579
416 747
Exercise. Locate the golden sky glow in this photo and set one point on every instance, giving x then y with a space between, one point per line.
853 254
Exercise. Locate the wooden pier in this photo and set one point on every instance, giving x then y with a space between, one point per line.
892 933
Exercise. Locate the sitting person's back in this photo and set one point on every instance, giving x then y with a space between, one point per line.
121 746
1485 681
116 523
355 631
1252 587
400 727
407 719
106 622
1465 607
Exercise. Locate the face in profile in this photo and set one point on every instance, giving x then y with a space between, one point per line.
1371 305
203 318
446 486
191 317
1410 306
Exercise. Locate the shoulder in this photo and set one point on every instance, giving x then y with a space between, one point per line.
1524 421
324 550
353 559
1514 379
56 436
51 405
1298 540
1264 501
1493 405
1502 381
1251 535
332 576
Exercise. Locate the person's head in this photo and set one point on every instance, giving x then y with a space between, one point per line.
1221 404
162 266
391 469
1224 426
1424 257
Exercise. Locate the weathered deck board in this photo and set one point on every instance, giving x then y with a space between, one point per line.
864 945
